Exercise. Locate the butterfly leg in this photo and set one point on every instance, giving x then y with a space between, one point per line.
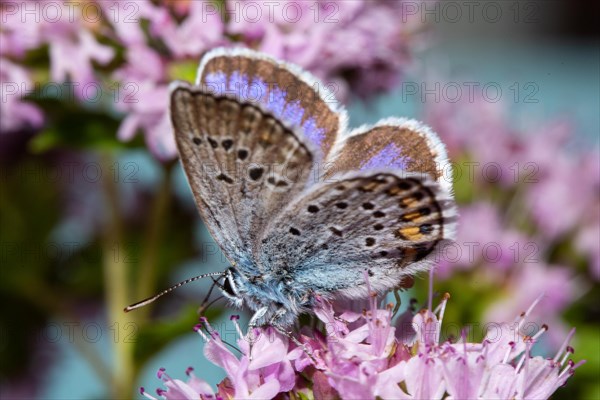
398 303
203 305
290 335
253 323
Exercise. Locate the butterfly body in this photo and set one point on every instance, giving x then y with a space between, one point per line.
301 207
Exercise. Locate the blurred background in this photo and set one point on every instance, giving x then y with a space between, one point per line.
95 212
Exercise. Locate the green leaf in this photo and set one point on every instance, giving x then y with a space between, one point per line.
185 70
303 396
72 126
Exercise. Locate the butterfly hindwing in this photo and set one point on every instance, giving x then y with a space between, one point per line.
385 222
395 144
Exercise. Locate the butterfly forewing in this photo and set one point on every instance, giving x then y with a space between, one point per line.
238 161
249 135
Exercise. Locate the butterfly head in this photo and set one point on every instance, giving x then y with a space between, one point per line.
273 301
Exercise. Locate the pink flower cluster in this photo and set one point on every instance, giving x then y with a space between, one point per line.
535 162
72 47
529 203
362 358
353 46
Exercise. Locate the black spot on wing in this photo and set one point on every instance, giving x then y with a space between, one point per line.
227 144
224 178
426 229
255 173
213 142
242 154
335 231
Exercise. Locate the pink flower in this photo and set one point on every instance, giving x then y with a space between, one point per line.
535 161
268 372
556 205
144 94
146 105
354 359
71 59
364 360
199 31
126 19
483 239
20 31
358 47
499 367
71 41
473 125
587 242
193 389
15 113
264 368
557 283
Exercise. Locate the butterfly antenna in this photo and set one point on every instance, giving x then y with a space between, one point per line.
156 296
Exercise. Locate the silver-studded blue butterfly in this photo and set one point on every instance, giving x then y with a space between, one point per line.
299 205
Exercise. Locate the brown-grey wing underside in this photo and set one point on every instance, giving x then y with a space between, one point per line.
388 223
242 164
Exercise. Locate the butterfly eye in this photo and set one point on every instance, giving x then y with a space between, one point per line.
228 287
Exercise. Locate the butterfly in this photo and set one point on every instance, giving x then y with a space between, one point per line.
300 205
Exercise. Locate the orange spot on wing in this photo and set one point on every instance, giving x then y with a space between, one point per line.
369 187
408 202
410 233
411 216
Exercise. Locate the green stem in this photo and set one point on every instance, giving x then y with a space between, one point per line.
117 293
146 282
